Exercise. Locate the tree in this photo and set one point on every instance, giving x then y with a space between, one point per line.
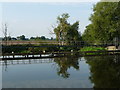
88 34
62 27
73 34
22 37
103 25
13 38
5 32
51 38
42 37
32 37
65 31
116 26
9 38
37 38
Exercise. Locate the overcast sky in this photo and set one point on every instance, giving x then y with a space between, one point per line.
36 19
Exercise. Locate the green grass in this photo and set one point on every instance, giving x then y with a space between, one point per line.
25 51
92 49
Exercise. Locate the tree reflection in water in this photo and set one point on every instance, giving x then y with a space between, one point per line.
64 63
105 71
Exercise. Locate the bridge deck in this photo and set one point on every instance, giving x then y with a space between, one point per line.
15 56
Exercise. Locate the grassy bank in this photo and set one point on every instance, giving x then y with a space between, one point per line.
91 50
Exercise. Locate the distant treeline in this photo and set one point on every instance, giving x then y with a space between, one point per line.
22 37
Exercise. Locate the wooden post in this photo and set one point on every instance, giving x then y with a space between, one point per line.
13 55
3 55
52 54
27 55
32 55
40 54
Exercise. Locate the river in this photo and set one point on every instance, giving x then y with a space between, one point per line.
64 72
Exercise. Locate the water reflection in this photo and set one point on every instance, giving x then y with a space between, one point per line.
6 63
65 63
105 71
33 74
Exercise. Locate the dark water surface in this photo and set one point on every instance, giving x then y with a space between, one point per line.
65 72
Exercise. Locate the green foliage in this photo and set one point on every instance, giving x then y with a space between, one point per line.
65 31
25 51
29 48
66 48
92 49
21 37
14 48
105 23
38 38
43 37
89 34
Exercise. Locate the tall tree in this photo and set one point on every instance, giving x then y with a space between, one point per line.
65 31
103 25
5 33
62 27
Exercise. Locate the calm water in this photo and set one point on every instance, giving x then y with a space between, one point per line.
71 72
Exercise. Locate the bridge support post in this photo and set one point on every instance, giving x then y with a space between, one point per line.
52 54
27 56
33 55
13 56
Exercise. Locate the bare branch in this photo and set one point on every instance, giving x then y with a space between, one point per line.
51 32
